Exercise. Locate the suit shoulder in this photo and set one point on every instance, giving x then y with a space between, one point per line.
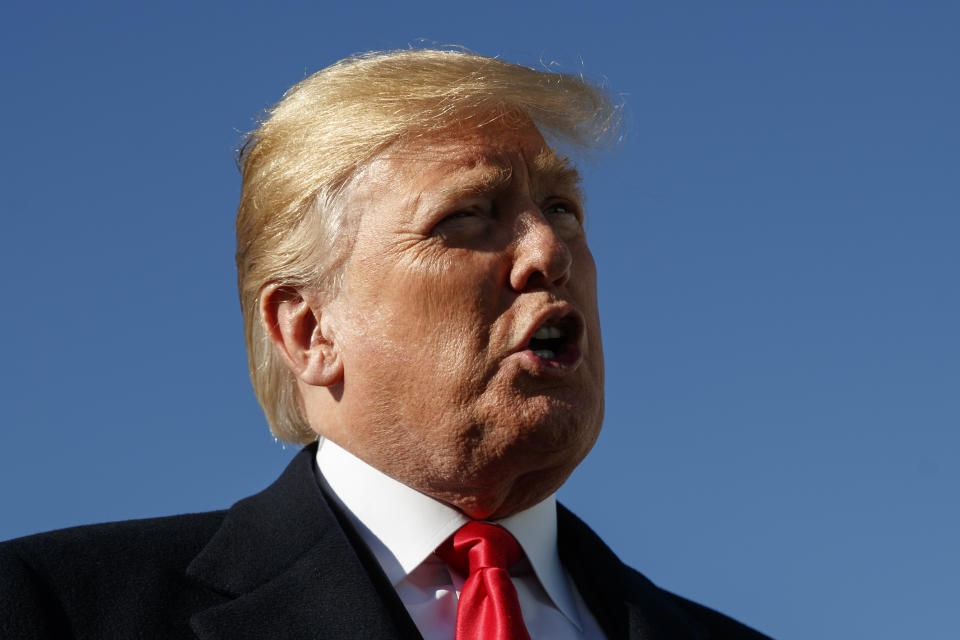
28 606
714 623
721 625
160 534
604 581
711 622
113 547
55 582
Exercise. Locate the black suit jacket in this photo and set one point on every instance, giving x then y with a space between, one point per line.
278 565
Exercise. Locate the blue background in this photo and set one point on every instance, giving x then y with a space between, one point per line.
777 237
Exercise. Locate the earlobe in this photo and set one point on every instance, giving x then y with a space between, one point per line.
294 322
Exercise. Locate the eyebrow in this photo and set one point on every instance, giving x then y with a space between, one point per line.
488 179
548 172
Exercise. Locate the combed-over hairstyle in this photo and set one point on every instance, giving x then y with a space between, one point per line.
290 229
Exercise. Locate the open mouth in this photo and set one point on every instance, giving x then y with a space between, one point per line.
557 340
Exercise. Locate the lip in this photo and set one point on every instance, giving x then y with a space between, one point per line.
571 356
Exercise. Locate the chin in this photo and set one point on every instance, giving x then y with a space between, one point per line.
524 492
533 471
566 429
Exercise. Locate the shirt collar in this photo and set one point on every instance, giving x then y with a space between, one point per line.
403 527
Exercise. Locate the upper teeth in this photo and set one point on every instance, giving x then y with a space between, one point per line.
546 333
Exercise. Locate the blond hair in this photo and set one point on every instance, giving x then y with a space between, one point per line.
290 229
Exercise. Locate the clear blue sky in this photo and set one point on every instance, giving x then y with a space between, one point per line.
777 238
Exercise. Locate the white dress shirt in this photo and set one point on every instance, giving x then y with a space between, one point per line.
403 527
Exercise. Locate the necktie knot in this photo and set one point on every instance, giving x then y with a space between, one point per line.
488 608
480 545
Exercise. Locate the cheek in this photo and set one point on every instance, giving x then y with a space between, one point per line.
583 284
450 301
584 266
429 325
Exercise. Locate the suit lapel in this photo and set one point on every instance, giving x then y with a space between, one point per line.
624 602
287 570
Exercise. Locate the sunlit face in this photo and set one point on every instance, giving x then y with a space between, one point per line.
467 320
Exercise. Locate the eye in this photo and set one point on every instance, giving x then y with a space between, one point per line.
462 225
565 218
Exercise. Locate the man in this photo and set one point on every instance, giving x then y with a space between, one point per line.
420 305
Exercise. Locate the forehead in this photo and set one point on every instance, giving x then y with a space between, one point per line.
475 144
473 159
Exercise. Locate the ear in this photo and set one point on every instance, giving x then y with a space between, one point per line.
296 326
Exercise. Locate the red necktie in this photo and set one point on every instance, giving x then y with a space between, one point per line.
488 608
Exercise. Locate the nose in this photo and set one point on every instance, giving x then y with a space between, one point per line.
541 258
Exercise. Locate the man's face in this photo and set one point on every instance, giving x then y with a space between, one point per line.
467 321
